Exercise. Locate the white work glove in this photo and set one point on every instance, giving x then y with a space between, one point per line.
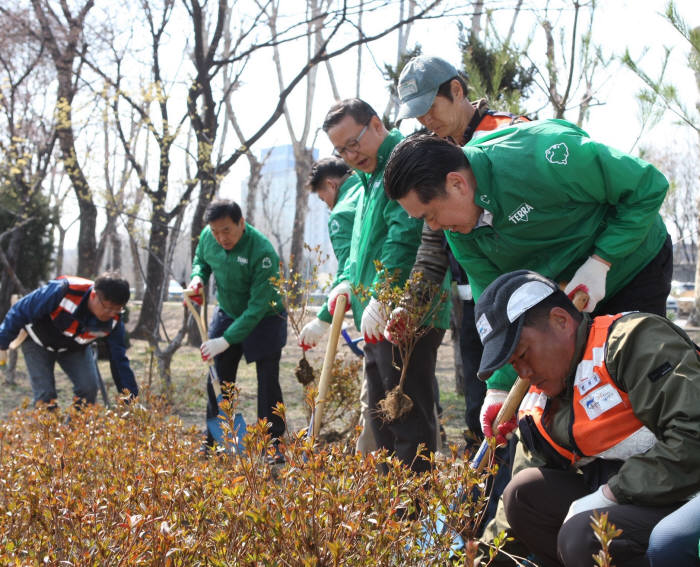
3 357
590 277
343 288
593 501
212 347
195 290
373 322
395 330
493 401
312 332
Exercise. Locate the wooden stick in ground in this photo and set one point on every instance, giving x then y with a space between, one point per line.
515 397
327 370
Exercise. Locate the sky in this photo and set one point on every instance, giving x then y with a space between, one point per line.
619 24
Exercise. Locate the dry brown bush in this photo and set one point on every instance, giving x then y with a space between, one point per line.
129 486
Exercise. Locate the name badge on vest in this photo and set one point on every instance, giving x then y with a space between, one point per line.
600 400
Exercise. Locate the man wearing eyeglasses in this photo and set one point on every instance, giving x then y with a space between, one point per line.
62 319
383 232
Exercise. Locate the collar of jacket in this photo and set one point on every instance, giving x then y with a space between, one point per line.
584 328
384 151
345 187
481 108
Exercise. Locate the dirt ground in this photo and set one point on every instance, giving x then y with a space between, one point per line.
188 380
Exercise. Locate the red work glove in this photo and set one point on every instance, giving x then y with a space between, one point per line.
590 277
395 330
373 322
312 333
213 347
195 290
489 410
343 288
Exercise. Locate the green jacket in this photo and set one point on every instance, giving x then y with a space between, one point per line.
663 384
382 231
242 274
556 197
340 229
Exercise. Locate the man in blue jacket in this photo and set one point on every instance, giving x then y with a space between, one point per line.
61 320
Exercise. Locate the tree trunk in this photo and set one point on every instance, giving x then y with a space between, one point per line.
303 158
147 325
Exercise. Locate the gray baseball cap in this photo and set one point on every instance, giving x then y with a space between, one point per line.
499 315
419 83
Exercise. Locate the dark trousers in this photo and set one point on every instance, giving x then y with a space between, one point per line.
536 502
471 349
268 374
648 290
402 436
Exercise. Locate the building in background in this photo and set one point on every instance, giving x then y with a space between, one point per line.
275 207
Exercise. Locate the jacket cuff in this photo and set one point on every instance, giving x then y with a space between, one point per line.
502 379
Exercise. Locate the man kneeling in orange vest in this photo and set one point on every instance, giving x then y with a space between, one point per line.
612 414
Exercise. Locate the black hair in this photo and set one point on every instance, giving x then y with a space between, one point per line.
325 168
421 163
360 111
222 208
113 288
445 89
538 315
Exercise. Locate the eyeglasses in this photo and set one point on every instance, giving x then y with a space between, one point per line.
110 310
352 145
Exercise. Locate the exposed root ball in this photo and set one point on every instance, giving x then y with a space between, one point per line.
304 372
395 405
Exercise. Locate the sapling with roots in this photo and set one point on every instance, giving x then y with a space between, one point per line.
295 289
415 305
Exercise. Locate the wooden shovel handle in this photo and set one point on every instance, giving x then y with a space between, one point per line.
327 370
203 333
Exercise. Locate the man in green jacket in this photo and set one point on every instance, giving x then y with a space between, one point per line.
383 231
250 319
613 412
543 196
337 186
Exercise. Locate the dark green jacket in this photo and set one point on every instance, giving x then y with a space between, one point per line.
340 229
242 274
656 363
556 197
381 230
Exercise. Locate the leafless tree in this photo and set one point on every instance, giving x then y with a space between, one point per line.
572 62
210 61
27 137
62 33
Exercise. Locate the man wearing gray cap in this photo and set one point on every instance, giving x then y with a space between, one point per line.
433 92
613 411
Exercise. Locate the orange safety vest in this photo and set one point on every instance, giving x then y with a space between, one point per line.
604 424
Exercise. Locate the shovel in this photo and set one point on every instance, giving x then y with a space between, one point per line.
214 423
326 371
515 396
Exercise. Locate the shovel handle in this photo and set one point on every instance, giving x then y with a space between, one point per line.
515 397
327 370
203 333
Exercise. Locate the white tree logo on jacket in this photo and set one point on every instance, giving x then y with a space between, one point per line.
558 153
